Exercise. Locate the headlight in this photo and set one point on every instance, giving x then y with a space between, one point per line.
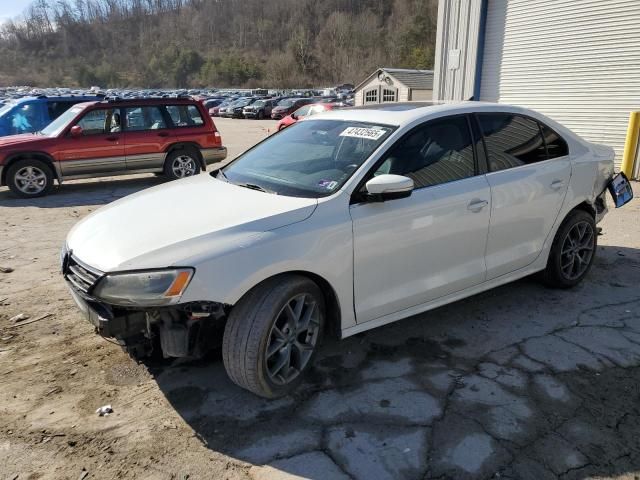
153 288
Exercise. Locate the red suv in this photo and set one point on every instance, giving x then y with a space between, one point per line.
175 137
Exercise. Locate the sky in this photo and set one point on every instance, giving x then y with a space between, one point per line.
11 8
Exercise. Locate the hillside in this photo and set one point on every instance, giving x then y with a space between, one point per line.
179 43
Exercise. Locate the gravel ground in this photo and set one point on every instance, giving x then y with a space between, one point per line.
519 382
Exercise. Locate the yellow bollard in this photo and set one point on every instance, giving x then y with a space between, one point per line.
631 145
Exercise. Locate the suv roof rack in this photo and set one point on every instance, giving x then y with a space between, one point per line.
70 95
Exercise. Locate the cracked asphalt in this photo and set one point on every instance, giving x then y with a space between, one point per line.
520 382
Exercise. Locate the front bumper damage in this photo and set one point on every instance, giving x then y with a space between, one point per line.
183 330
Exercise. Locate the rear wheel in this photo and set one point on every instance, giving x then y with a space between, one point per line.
182 163
30 178
272 335
261 115
573 251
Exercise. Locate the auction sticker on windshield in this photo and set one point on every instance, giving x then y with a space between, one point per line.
362 132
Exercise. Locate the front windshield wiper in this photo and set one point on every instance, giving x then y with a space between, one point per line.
253 186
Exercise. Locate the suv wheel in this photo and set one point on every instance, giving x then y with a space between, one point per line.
272 335
30 178
182 164
261 115
573 251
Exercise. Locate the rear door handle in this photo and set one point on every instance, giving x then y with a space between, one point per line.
163 134
112 139
477 205
557 184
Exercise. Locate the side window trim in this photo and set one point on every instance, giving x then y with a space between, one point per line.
355 196
477 129
544 140
542 126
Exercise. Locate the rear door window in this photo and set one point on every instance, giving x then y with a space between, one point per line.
144 118
511 140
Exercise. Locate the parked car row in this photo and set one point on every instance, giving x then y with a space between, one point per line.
275 108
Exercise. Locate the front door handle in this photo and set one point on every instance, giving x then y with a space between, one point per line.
111 139
477 205
557 184
163 134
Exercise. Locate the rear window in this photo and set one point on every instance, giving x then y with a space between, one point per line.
185 115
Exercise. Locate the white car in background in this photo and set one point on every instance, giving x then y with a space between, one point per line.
344 222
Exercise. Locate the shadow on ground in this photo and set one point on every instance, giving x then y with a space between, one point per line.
82 193
521 382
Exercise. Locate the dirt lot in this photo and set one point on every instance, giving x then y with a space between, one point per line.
519 382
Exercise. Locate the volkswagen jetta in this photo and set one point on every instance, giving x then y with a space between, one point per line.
343 222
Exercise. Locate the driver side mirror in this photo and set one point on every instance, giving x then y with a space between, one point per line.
76 131
388 187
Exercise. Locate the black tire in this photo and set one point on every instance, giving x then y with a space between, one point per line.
30 178
175 165
251 331
261 115
570 261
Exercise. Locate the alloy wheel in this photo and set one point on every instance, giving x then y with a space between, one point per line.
183 166
30 180
292 339
577 250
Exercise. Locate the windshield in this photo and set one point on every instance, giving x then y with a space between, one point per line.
286 103
55 128
313 158
259 103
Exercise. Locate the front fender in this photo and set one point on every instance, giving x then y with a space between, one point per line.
317 246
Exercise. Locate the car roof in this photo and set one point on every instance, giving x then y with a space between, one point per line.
404 113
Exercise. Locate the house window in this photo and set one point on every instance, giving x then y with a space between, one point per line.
371 96
388 95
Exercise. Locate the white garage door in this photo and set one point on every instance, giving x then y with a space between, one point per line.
575 61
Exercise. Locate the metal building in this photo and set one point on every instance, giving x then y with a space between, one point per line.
395 85
575 61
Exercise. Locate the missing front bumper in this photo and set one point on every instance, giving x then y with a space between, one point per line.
188 330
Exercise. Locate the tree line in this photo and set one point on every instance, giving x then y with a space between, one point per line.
222 43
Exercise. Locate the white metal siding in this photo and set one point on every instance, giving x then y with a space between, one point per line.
458 28
575 61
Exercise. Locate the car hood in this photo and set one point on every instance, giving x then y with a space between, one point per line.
12 140
180 224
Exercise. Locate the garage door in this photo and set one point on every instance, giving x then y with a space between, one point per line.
575 61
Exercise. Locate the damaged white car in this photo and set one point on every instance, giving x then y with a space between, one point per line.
341 223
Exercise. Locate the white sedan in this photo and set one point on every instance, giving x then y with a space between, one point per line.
343 222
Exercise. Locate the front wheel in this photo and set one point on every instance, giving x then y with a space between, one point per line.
30 178
572 252
181 164
272 335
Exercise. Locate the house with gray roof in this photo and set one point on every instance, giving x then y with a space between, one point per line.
395 85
